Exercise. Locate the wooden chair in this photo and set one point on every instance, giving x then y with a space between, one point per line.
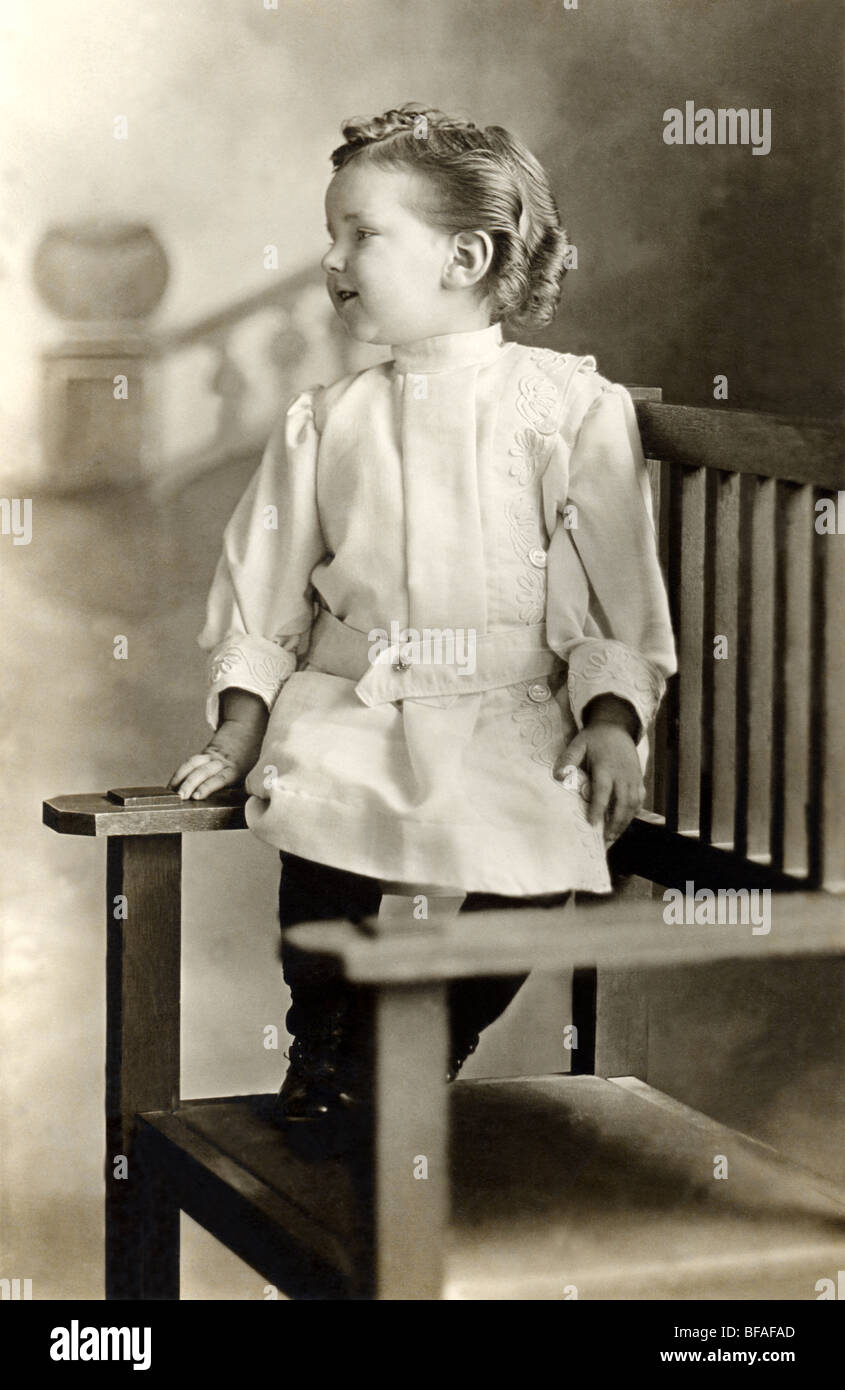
562 1186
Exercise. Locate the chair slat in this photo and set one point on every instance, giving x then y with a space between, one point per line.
754 666
718 772
690 626
662 787
792 677
657 738
827 751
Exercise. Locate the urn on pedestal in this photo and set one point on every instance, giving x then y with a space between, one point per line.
102 279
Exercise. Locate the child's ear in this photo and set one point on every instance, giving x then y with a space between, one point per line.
469 261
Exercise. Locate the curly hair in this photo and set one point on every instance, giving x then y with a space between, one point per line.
484 178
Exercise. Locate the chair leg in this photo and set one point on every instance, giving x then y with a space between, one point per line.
404 1174
142 1059
142 1235
584 1001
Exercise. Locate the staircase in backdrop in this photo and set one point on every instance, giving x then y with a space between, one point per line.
124 403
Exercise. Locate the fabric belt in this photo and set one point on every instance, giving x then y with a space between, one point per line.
440 662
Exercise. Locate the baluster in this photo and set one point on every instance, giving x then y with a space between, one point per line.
229 383
285 348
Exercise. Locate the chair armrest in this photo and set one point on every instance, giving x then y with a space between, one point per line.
144 811
620 934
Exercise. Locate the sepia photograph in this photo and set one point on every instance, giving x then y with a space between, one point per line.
423 578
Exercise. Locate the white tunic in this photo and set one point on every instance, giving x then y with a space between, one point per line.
473 489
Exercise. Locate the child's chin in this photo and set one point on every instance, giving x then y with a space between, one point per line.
365 333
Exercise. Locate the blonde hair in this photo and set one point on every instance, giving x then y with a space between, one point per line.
484 179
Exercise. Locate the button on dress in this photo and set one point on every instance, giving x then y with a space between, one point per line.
436 511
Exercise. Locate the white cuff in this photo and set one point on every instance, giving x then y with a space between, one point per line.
598 667
248 663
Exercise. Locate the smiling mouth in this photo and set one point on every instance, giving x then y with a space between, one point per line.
344 295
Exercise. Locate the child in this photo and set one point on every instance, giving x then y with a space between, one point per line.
439 605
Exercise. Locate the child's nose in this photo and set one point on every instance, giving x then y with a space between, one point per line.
332 260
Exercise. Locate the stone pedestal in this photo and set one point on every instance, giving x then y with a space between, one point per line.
103 279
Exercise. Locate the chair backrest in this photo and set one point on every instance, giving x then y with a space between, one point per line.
749 749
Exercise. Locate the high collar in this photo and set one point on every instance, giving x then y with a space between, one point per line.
450 350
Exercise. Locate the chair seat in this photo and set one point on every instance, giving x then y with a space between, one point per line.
559 1184
609 1186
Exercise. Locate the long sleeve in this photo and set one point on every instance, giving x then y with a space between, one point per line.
607 610
260 604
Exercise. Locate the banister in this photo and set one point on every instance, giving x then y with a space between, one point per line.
273 296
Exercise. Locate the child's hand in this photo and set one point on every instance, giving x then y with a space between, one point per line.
232 753
606 746
224 762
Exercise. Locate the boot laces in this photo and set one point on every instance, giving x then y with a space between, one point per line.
315 1050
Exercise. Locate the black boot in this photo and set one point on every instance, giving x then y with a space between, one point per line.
323 1086
323 1077
473 1006
458 1053
313 1086
476 1003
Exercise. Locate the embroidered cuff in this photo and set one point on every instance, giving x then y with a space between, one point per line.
249 663
611 668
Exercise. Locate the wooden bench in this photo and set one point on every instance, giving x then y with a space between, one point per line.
544 1187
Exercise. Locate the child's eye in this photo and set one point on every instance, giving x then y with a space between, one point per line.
362 232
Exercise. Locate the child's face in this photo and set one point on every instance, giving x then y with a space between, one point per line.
390 260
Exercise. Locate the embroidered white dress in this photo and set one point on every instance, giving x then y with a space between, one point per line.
470 486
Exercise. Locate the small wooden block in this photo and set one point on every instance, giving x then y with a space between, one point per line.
144 796
166 796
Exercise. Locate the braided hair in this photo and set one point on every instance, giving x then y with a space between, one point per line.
484 179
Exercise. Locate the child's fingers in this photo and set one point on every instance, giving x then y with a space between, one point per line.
224 778
602 786
190 763
627 799
572 756
199 775
616 811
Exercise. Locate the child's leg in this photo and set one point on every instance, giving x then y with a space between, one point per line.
311 892
405 903
324 1016
475 1004
402 904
